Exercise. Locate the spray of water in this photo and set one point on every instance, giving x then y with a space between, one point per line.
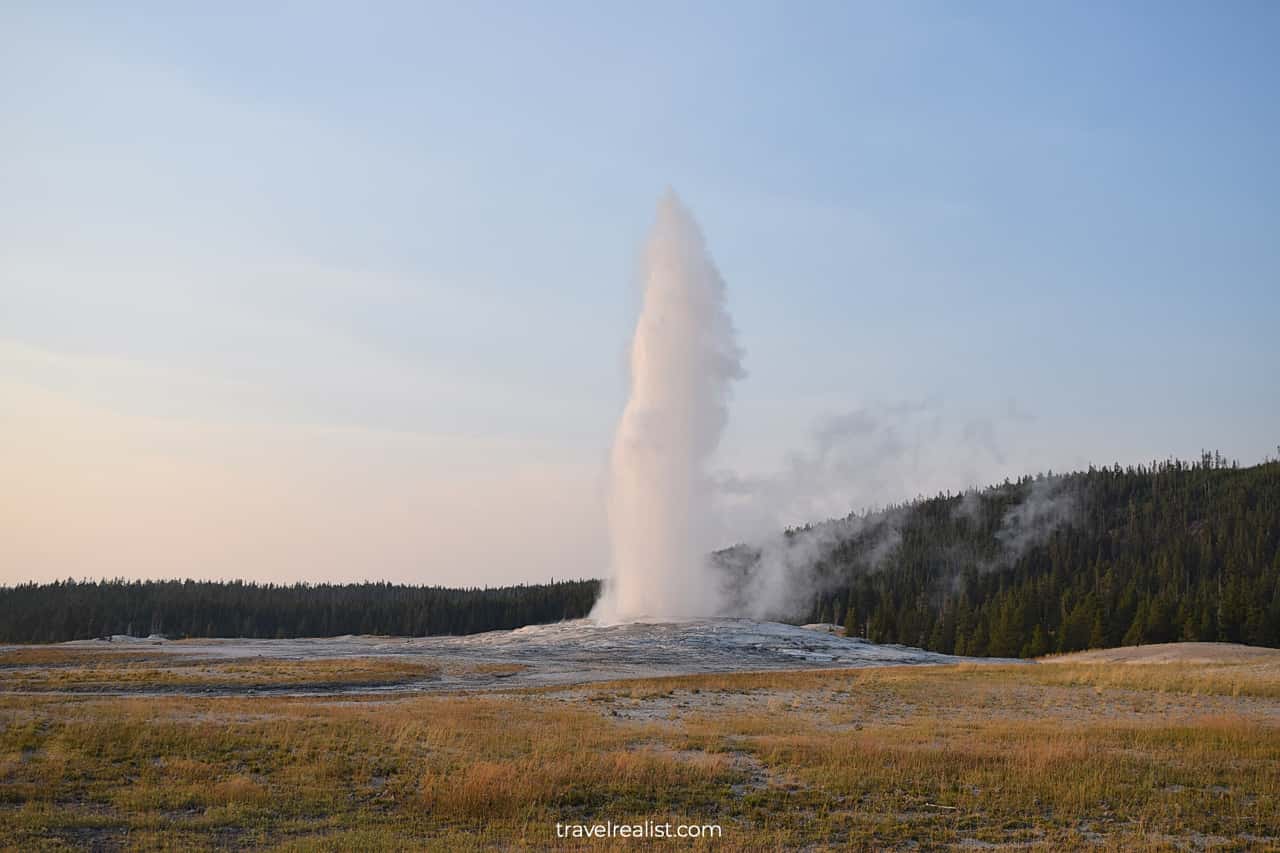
683 360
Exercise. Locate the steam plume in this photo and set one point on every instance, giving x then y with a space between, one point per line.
683 359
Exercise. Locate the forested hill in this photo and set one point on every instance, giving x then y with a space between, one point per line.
1170 551
1149 554
69 610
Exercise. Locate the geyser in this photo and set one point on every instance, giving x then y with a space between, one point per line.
683 360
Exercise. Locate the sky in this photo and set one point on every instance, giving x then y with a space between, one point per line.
330 292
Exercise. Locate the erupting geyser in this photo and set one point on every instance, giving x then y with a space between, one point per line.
683 359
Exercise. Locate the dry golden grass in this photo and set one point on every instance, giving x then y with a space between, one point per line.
1235 679
869 759
115 671
63 656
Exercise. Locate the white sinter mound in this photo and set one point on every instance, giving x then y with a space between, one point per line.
580 651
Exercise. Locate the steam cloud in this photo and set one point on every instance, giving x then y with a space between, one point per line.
1047 506
778 577
684 358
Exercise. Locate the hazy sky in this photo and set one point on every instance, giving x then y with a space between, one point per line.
303 291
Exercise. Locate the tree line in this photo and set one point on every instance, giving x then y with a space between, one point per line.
1055 563
77 610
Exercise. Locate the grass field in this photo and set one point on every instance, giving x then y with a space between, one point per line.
1068 755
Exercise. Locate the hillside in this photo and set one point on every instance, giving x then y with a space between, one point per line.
1105 557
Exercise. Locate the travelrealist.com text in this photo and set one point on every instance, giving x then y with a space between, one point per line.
647 829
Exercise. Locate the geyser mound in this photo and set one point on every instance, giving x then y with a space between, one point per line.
571 652
683 359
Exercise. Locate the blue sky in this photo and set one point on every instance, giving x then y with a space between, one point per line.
309 291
